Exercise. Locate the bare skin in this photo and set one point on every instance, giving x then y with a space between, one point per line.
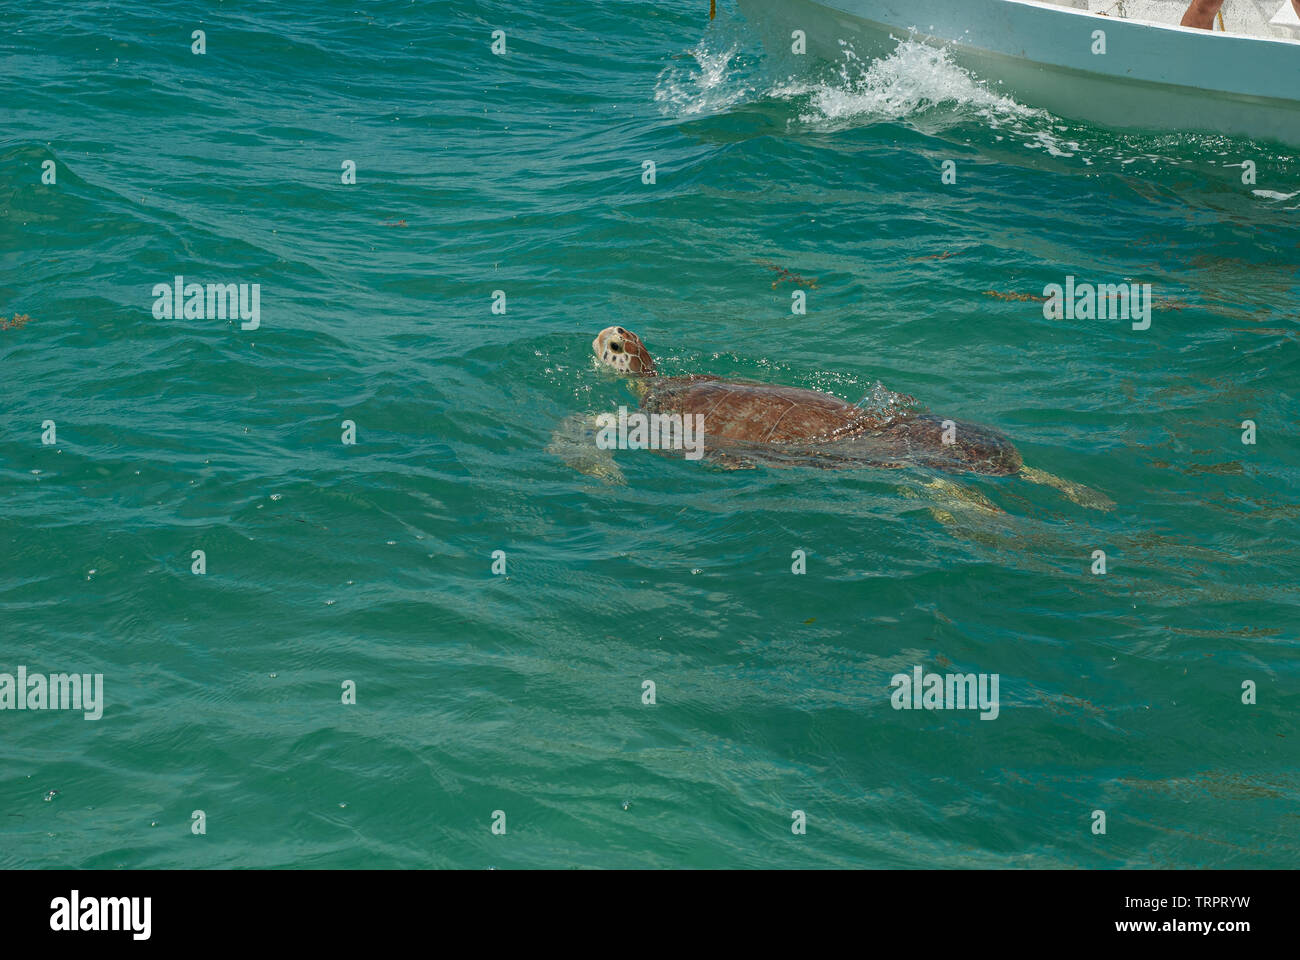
1201 13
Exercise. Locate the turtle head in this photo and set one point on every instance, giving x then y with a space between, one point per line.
622 351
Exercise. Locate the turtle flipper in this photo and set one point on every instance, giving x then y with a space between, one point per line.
729 461
1074 492
574 442
962 496
964 509
956 497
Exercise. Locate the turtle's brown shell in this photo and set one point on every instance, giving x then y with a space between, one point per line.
754 416
745 412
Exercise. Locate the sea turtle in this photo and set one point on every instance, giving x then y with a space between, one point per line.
746 422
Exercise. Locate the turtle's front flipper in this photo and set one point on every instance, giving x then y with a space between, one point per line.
729 461
1074 492
574 442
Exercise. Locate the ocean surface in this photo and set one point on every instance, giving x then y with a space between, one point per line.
332 565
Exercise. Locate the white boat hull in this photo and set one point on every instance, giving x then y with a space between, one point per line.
1151 77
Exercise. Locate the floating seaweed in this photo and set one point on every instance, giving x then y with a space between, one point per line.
784 275
1159 303
1015 296
20 320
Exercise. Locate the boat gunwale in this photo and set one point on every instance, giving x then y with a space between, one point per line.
1266 61
1177 27
1202 87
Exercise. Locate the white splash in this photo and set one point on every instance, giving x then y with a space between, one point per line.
885 403
918 84
914 79
706 84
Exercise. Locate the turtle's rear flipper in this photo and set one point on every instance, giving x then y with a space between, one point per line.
574 442
954 496
966 511
964 497
1074 492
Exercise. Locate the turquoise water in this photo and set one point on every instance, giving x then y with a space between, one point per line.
522 693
